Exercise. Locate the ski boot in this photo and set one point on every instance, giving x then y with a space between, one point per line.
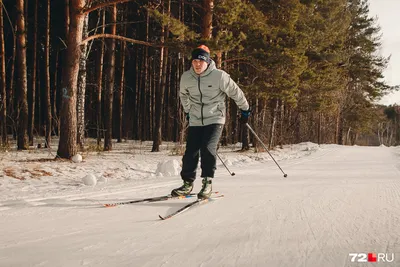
184 190
206 190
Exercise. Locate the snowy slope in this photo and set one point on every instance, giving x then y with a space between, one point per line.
336 200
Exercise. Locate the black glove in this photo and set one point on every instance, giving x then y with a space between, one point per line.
245 114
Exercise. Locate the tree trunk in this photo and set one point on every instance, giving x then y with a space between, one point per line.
99 82
390 137
60 91
160 89
67 15
224 137
67 145
244 133
12 92
347 141
255 124
208 6
159 103
109 82
297 127
39 103
339 129
319 127
143 91
139 96
273 125
281 124
3 93
121 88
56 120
82 88
182 123
22 141
31 126
219 60
177 103
154 86
47 79
168 124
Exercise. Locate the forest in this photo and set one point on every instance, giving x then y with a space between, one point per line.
109 70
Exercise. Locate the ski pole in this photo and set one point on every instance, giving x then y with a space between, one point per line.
231 173
248 126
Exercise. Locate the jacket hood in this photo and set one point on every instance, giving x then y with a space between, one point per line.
210 68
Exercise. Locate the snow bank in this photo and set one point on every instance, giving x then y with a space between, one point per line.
90 179
168 168
35 173
77 158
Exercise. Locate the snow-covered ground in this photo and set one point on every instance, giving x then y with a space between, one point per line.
336 200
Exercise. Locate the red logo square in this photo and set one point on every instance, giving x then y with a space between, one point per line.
371 257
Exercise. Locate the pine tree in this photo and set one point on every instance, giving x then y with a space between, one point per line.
22 83
324 25
364 68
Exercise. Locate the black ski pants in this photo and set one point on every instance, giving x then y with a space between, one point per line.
203 139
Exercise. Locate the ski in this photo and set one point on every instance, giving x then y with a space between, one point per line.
188 206
150 199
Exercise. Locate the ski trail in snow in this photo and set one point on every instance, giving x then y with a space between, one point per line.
42 239
342 200
90 197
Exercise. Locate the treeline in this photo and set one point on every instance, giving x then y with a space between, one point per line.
111 69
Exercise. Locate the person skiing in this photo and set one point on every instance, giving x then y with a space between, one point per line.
202 92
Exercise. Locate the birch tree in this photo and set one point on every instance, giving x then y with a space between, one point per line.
82 87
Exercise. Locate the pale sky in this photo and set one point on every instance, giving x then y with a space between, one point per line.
387 12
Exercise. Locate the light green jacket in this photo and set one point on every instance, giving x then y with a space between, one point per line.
203 96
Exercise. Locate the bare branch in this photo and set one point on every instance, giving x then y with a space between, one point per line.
87 10
9 20
118 37
110 24
236 59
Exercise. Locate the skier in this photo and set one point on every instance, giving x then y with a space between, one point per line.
202 93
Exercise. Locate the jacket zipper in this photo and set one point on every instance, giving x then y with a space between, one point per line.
202 104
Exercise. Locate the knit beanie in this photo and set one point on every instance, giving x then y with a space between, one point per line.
202 52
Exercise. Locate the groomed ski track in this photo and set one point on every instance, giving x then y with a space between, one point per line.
336 201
